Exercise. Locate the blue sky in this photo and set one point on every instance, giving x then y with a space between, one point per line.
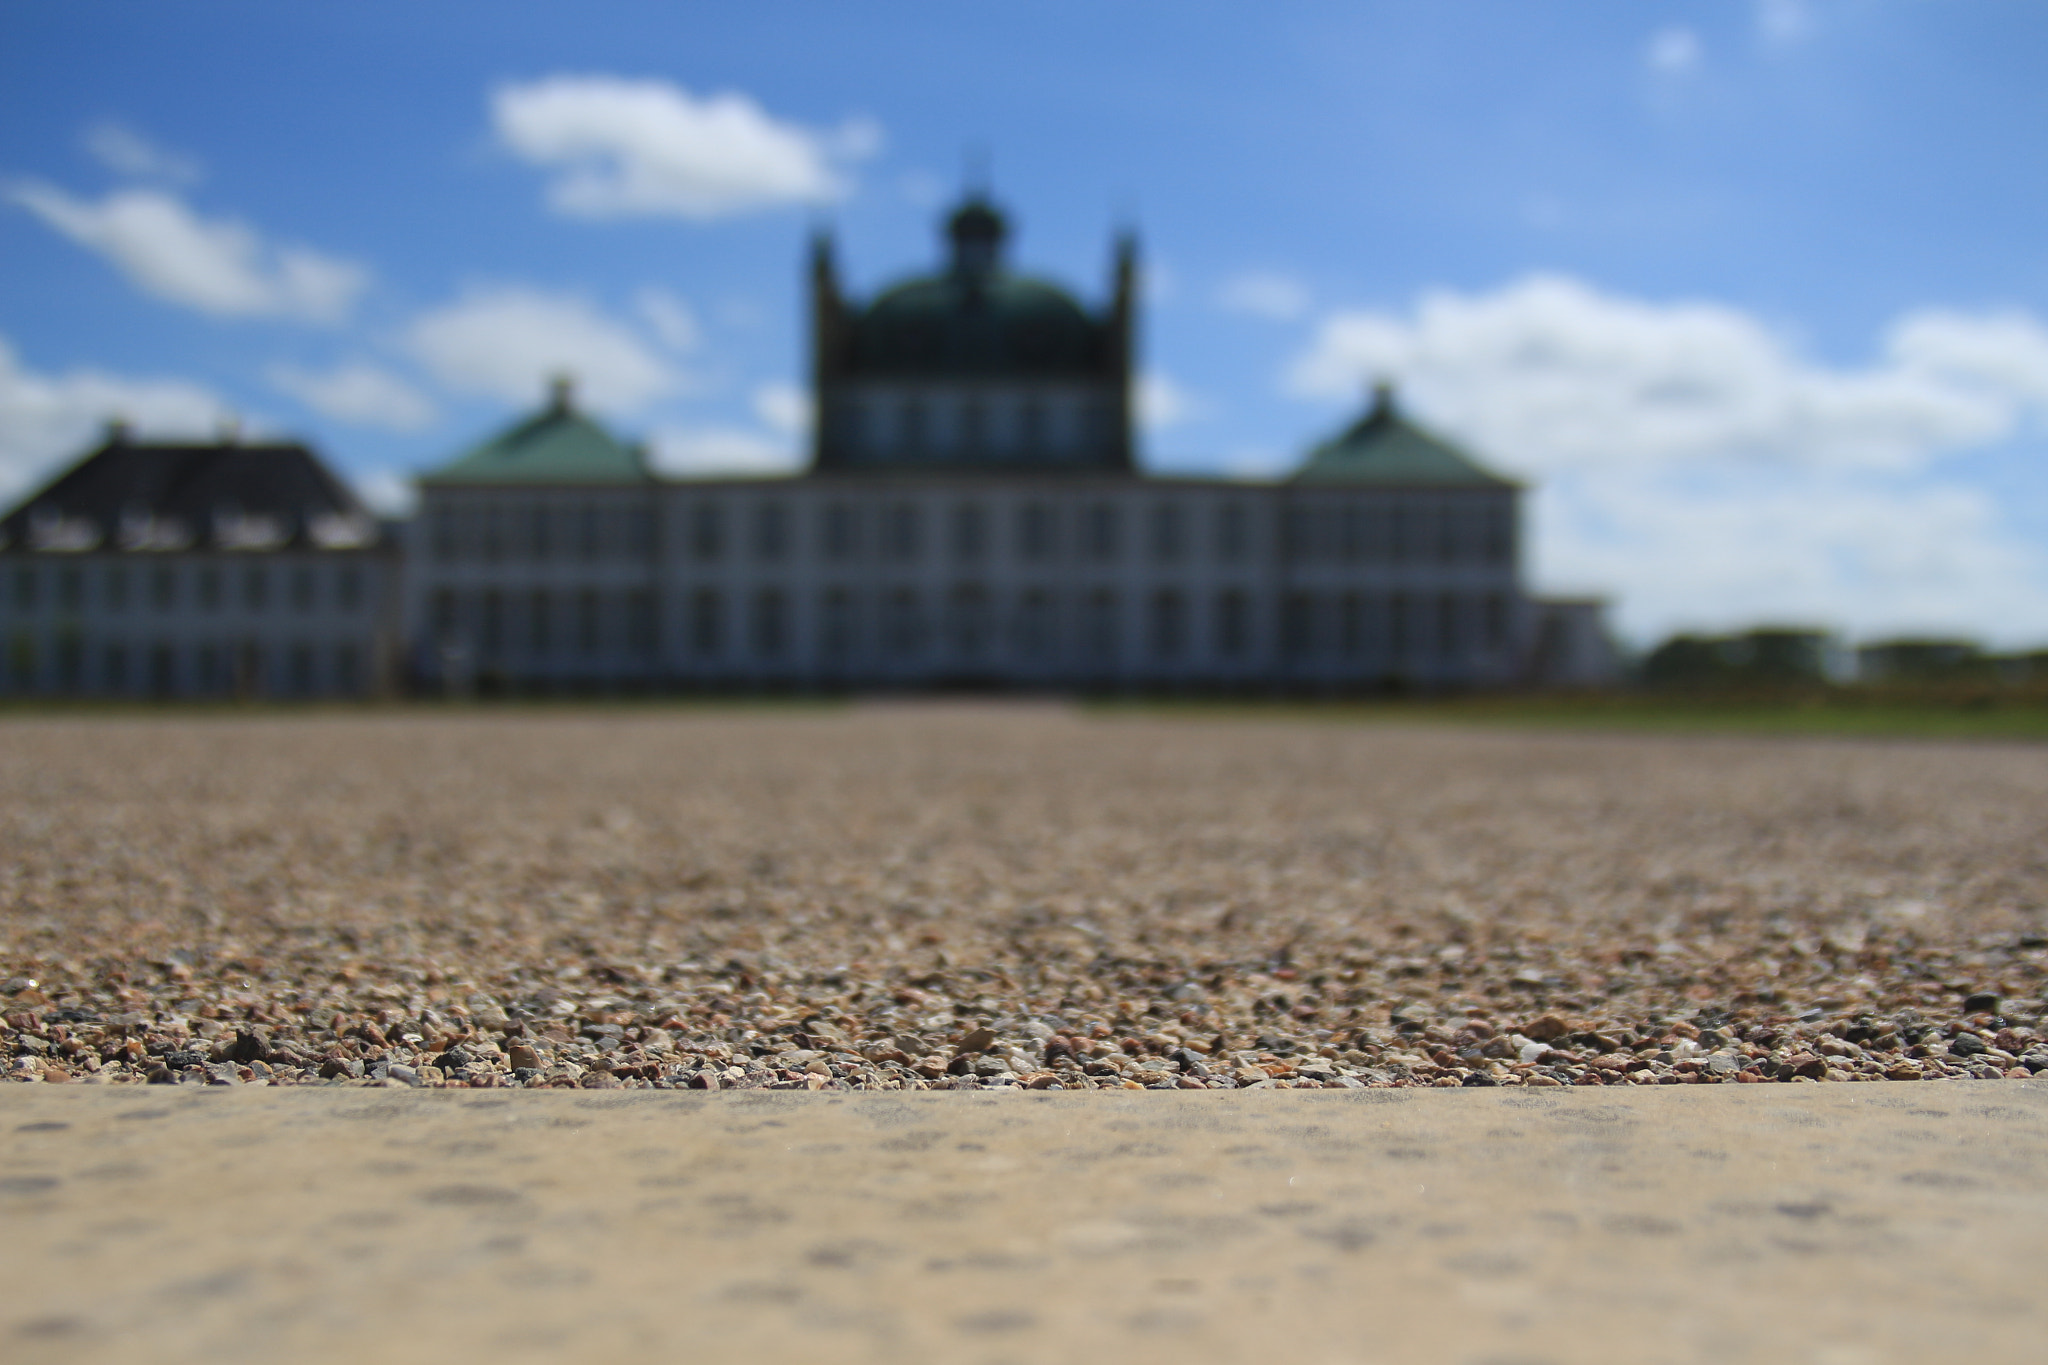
1752 294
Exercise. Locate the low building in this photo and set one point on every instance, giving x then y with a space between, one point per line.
194 570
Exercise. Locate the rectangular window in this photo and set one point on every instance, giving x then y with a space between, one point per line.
707 624
347 670
207 588
1297 625
707 532
163 670
493 519
903 532
540 625
1494 621
213 670
444 534
1232 532
303 589
70 661
770 625
24 589
835 635
1034 532
1351 533
491 630
115 587
444 613
1169 627
300 670
640 621
1168 540
1500 535
589 625
539 543
970 532
590 531
348 588
70 588
255 588
1400 626
251 670
842 531
967 620
1103 534
902 623
114 668
163 588
1450 626
1233 624
771 532
640 532
1297 534
1035 625
1351 626
1099 633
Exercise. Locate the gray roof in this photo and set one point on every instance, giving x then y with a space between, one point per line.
156 496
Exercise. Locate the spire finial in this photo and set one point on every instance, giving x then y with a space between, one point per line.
1382 390
561 392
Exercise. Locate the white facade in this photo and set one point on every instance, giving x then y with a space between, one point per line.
196 624
990 579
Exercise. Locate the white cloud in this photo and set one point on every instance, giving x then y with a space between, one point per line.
670 318
1674 51
507 341
784 408
623 148
124 151
1265 294
698 452
1692 460
1554 374
388 492
49 418
358 393
1784 23
216 265
1162 402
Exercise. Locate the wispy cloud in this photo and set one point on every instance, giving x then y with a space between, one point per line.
621 147
125 151
1694 461
1265 294
215 265
46 418
506 341
358 393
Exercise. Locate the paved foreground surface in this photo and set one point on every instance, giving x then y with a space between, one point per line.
906 897
1823 1225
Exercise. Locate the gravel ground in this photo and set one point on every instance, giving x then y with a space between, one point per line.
910 897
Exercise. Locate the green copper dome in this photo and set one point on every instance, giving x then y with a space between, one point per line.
984 323
975 317
1386 449
556 445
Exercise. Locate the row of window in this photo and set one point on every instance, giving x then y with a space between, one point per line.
968 625
968 532
912 428
73 663
73 588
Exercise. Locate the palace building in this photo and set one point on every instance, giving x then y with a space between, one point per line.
974 514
